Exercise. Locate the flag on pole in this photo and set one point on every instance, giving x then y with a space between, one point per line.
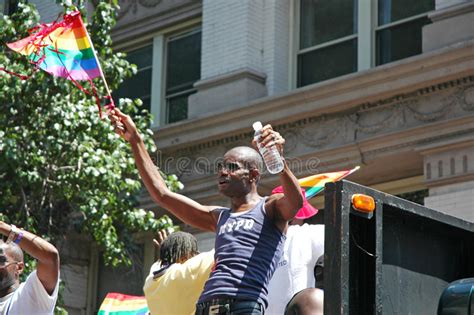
64 49
122 304
311 186
315 183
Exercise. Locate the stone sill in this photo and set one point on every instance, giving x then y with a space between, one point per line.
451 11
335 95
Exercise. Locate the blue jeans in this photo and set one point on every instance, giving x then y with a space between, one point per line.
230 307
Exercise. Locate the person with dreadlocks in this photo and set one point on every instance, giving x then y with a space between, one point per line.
176 280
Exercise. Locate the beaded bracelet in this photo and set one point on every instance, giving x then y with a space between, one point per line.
18 238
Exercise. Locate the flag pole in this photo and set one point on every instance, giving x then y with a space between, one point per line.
98 62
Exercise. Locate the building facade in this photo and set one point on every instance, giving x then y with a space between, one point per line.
387 85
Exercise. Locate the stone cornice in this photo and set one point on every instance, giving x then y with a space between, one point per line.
145 27
418 75
229 77
454 179
450 144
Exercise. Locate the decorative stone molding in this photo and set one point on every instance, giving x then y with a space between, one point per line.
368 119
449 161
465 97
382 86
376 119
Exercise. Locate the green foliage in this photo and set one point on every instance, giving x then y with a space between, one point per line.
63 168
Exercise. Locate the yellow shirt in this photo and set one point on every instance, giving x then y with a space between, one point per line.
177 290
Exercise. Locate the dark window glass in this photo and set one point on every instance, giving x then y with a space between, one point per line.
326 63
139 85
415 196
323 20
8 7
177 107
142 57
183 62
400 41
183 69
394 10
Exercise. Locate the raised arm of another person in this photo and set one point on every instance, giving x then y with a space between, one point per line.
45 253
186 209
286 205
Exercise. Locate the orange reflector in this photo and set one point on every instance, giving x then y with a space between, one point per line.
363 203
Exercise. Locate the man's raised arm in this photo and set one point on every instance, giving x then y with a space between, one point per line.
46 254
186 209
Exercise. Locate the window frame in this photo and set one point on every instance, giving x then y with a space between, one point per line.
191 30
295 51
143 44
367 28
394 24
158 75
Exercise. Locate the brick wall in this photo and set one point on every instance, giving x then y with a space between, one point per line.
276 45
232 37
247 34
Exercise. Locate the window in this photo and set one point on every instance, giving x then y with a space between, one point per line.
338 37
183 69
8 7
326 49
399 28
139 85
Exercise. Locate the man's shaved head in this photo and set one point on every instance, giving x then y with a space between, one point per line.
247 156
12 250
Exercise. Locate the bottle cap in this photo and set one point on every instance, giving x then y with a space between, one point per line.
257 126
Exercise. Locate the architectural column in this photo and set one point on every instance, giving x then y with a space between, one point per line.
232 68
449 174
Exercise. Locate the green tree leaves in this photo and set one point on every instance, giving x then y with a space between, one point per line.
61 166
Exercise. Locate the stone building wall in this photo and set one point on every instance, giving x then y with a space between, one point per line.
409 119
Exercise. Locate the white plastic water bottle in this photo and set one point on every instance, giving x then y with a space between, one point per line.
270 155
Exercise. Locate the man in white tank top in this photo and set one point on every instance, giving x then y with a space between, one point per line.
38 294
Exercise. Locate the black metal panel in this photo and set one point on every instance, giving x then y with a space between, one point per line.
335 253
398 262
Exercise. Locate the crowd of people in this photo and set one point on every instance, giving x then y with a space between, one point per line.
264 259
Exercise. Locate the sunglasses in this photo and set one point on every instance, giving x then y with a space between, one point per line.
5 264
228 166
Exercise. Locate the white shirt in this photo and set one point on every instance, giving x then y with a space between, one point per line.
30 298
303 246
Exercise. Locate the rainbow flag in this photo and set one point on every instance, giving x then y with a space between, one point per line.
122 304
62 49
315 183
